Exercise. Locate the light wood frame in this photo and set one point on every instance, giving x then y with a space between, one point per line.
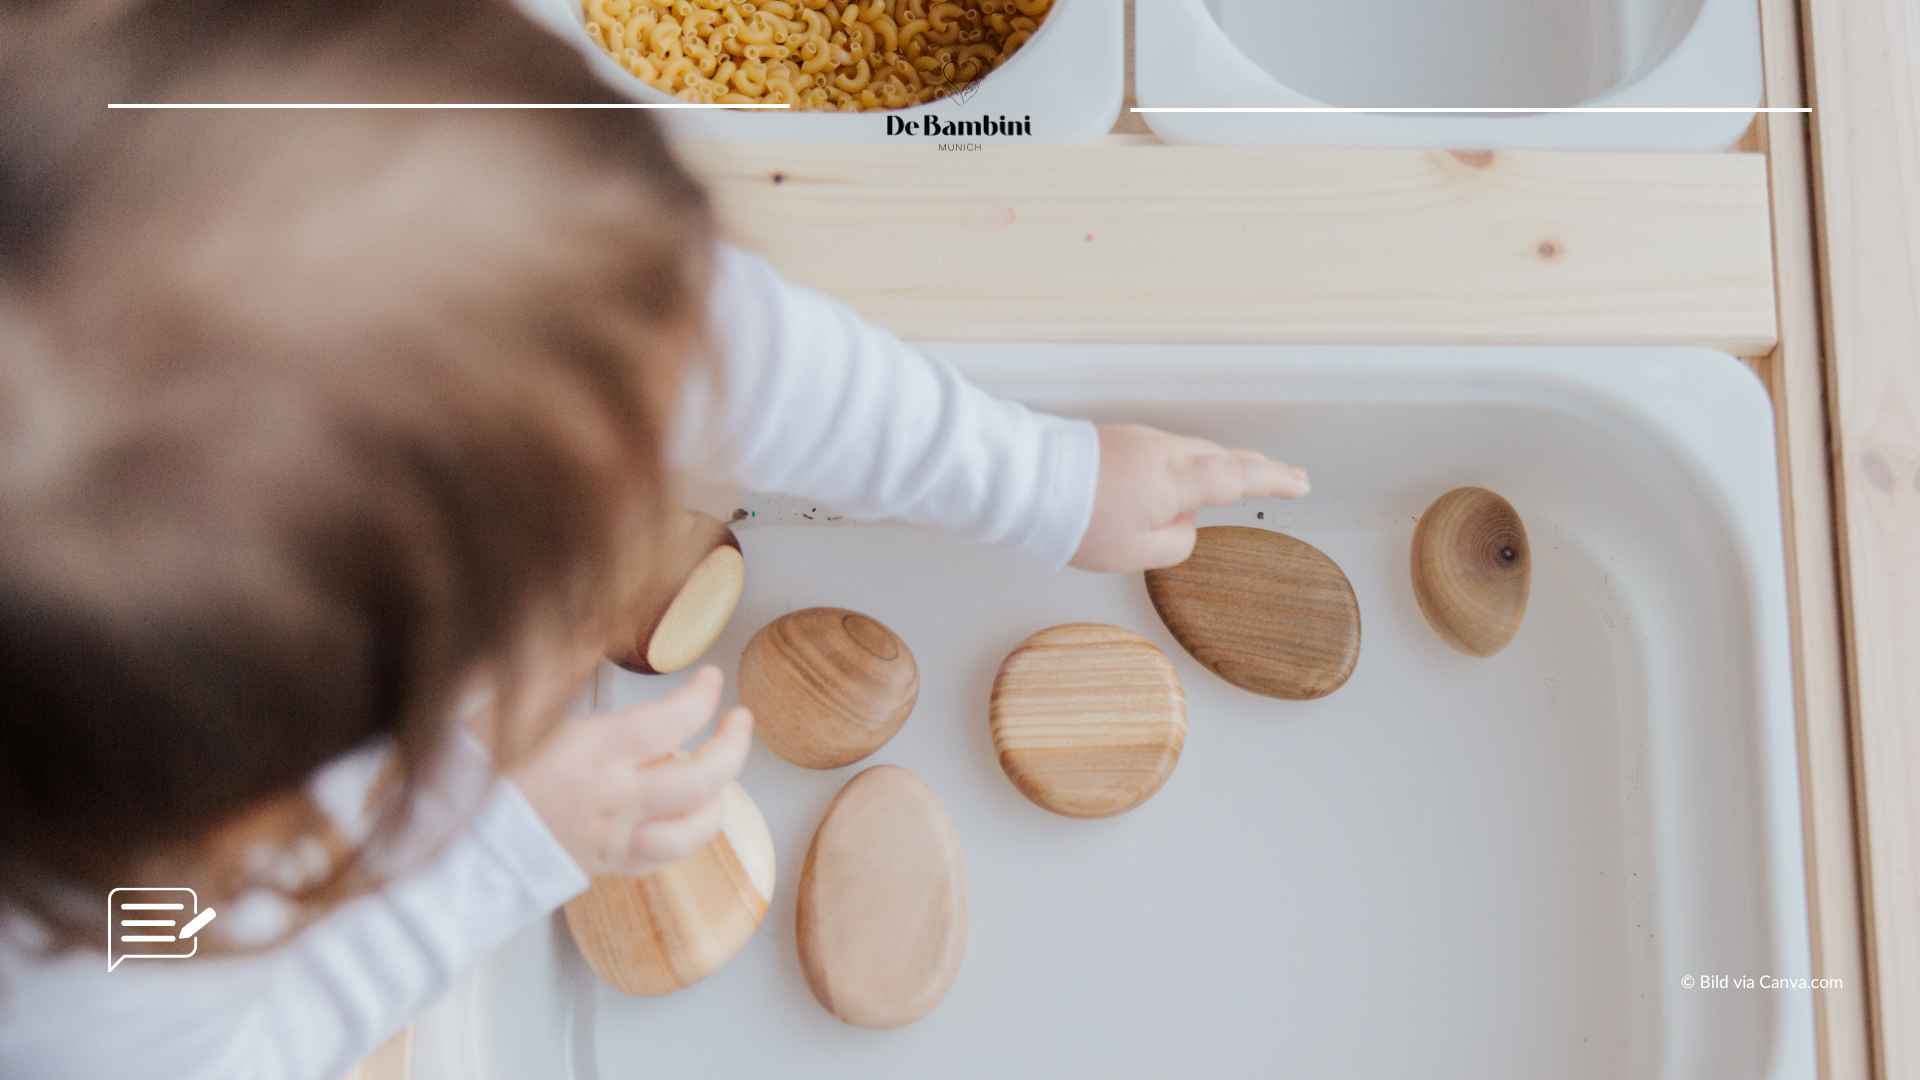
1132 241
1796 374
1862 64
1625 230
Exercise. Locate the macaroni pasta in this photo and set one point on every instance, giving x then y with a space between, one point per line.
844 55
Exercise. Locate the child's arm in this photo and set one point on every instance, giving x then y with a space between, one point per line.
596 798
816 402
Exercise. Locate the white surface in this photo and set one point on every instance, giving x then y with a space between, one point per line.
1069 78
1451 53
1450 867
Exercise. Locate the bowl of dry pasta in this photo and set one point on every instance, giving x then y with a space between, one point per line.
1049 70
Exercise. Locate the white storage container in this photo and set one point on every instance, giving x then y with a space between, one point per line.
1451 867
1530 54
1069 80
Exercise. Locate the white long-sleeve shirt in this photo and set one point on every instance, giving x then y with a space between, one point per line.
816 403
823 405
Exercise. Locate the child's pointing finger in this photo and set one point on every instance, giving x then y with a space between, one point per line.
1270 479
1152 483
1225 478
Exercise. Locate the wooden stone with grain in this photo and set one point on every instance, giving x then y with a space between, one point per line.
1262 610
882 911
1088 720
1472 570
827 686
679 626
663 932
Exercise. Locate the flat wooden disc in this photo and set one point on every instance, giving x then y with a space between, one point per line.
709 573
882 910
1262 610
827 686
666 931
1088 720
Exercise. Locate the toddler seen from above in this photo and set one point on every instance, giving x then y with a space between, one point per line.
336 446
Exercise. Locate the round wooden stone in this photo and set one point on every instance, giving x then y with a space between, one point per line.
677 628
827 686
882 907
1472 570
666 931
1262 610
1088 720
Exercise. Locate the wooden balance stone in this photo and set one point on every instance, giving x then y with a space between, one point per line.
1262 610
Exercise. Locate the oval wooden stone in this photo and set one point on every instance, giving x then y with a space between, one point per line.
678 629
1472 570
1262 610
1088 720
666 931
882 914
827 686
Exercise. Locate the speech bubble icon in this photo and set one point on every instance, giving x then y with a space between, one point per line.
147 924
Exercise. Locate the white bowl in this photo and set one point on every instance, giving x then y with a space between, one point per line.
1533 54
1069 79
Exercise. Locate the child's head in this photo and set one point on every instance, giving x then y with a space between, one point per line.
307 419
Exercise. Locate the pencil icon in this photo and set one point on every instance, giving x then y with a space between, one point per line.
195 925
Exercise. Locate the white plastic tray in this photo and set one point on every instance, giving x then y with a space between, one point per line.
1449 868
1451 53
1069 79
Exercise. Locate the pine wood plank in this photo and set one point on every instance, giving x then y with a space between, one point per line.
1795 374
1864 69
1122 241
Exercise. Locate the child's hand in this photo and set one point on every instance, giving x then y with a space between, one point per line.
619 796
1151 483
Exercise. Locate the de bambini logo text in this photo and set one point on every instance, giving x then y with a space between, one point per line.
986 127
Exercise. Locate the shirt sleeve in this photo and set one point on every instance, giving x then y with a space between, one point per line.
809 400
365 970
308 1009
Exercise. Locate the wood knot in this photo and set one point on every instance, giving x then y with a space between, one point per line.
779 178
1474 159
1549 250
876 639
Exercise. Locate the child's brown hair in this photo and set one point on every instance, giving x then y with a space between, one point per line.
305 417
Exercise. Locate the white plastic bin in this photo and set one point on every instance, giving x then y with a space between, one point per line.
1451 867
1519 54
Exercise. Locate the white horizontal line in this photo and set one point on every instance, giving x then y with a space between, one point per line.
146 922
148 937
151 907
426 106
1464 111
